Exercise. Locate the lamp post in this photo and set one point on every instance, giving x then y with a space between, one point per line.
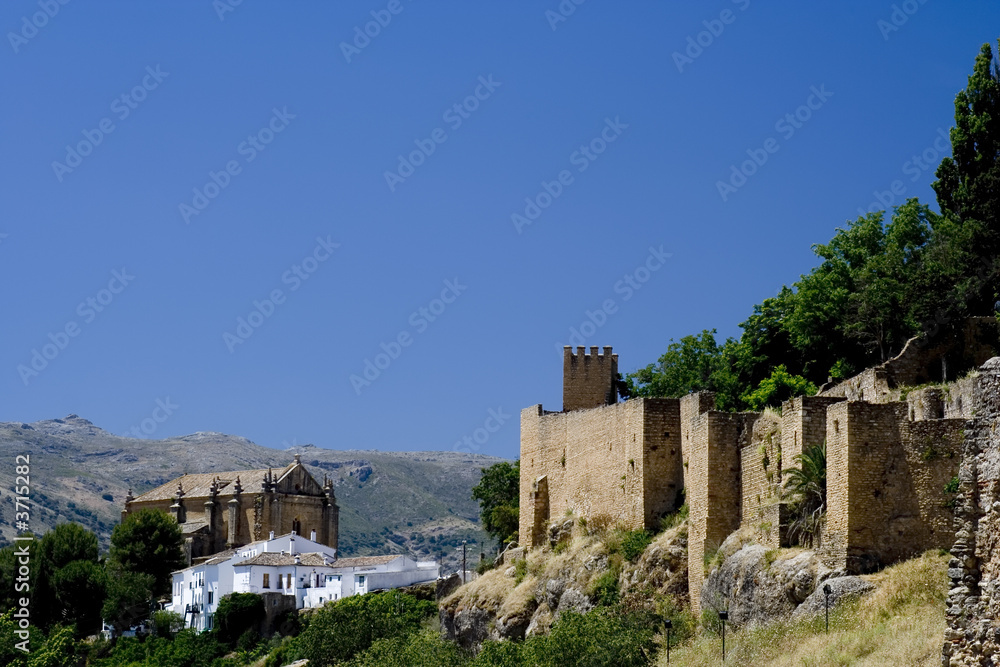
826 592
668 624
723 616
463 560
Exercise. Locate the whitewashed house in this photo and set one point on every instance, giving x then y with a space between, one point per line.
289 570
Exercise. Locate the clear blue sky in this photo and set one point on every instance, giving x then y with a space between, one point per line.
267 92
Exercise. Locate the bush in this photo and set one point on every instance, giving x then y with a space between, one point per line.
633 543
167 623
604 589
343 629
419 649
238 613
603 637
675 519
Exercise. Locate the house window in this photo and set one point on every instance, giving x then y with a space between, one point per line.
267 580
289 585
210 617
361 580
210 597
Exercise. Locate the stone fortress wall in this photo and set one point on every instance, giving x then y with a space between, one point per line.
891 451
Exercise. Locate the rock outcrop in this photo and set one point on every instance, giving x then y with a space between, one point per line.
757 585
525 597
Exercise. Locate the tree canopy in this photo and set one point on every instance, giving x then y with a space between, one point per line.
498 493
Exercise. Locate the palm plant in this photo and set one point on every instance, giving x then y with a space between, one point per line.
807 486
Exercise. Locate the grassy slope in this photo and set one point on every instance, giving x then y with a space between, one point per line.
901 623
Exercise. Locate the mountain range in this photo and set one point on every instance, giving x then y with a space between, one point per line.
417 503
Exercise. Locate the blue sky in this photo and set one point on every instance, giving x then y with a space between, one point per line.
170 168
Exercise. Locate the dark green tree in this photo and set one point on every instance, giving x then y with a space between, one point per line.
691 364
343 629
498 493
968 185
237 613
148 542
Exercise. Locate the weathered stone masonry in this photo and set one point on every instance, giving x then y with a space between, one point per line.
889 459
972 636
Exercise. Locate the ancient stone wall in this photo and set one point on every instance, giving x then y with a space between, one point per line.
618 461
714 489
972 636
886 478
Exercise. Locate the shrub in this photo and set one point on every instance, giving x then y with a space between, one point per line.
238 613
603 590
343 629
633 543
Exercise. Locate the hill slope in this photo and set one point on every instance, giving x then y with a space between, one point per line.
390 502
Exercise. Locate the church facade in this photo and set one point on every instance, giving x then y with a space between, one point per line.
219 511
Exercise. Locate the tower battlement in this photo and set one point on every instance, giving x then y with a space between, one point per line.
589 380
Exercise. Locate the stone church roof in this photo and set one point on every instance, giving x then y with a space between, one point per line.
198 485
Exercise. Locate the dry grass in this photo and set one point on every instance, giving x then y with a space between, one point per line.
901 623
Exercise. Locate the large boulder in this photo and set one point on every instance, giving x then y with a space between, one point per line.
841 590
757 585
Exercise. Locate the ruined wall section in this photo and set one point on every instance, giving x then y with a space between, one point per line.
714 489
621 462
761 509
972 635
885 484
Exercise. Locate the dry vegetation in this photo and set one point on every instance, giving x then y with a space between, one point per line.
900 623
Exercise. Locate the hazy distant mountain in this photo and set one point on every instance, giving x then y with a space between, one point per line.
390 502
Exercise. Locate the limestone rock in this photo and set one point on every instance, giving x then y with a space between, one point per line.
757 586
841 589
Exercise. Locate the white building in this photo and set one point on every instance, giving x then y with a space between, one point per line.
307 572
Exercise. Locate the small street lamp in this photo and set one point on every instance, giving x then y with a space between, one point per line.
668 624
826 592
723 616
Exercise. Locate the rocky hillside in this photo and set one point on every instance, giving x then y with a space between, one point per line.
583 568
390 502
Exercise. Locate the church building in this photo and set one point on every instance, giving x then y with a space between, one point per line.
224 510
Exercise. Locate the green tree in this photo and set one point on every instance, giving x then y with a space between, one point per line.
128 596
343 629
237 613
420 649
148 542
968 185
807 487
498 493
778 388
68 587
690 364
